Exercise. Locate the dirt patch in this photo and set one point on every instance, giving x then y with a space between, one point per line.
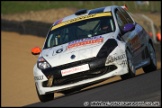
17 63
49 16
52 15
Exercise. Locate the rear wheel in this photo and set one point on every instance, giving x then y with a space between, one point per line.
46 97
153 62
131 69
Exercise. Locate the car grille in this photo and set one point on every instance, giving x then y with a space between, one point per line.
75 63
81 76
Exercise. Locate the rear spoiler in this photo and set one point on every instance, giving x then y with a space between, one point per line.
125 7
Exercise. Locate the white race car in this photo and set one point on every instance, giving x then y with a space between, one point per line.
91 46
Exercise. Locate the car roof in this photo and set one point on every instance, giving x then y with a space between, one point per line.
92 11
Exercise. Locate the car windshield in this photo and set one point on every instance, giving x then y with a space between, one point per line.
80 30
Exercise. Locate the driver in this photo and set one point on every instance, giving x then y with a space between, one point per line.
104 26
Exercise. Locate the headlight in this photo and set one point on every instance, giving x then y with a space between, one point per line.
42 63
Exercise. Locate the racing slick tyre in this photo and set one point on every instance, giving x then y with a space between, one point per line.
46 97
131 68
152 55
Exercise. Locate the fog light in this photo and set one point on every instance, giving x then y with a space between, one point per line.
50 81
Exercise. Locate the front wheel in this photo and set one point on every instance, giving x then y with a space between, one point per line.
131 69
46 97
153 62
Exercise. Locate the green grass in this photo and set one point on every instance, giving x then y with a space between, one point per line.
11 7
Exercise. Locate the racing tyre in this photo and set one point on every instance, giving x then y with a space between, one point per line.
153 62
131 68
46 97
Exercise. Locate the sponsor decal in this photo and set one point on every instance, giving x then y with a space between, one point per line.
81 18
74 70
87 41
123 63
59 50
115 58
38 77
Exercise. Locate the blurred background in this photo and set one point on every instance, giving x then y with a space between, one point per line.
10 7
147 13
24 25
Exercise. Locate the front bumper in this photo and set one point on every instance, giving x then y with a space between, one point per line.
99 70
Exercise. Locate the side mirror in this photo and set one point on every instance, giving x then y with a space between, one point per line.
36 51
128 27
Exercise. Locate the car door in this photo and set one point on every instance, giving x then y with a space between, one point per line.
132 38
138 40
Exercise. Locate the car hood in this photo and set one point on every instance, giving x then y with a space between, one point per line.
75 50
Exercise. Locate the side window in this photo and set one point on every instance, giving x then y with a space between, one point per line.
120 19
126 15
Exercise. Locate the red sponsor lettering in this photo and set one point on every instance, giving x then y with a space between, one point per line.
87 42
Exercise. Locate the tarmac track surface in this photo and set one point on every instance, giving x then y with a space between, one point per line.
142 88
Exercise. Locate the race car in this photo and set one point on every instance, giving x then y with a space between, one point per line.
91 46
